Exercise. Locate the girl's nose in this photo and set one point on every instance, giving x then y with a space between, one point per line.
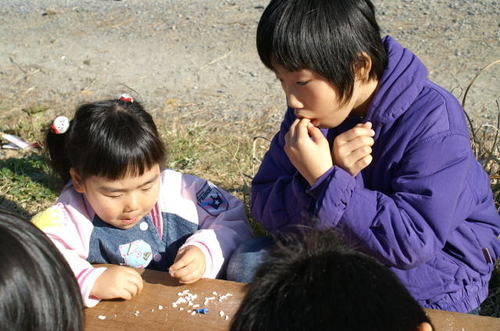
293 102
132 203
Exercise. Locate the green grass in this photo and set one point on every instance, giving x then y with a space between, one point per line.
26 183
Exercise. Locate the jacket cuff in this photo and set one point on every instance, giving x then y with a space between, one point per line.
210 270
316 191
334 197
86 279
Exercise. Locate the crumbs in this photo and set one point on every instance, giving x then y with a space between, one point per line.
187 302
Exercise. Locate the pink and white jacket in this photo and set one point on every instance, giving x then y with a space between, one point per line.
189 211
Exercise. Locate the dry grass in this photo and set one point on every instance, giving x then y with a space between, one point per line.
226 153
484 141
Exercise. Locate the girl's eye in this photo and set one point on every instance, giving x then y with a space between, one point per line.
113 196
147 188
303 83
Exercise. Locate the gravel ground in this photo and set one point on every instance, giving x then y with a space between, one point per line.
202 53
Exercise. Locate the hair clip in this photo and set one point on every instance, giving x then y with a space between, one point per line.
60 125
126 98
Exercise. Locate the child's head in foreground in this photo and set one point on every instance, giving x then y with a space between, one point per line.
312 281
338 41
37 288
113 154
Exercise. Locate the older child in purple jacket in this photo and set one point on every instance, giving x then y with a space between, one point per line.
371 147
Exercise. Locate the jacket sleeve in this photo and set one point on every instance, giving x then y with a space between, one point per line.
280 197
406 227
222 223
71 238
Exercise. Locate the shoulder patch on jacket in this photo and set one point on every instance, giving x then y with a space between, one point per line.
50 217
211 199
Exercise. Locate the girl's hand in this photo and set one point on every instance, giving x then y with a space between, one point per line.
352 149
308 150
117 282
189 265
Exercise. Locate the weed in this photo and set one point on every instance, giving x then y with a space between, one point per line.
484 141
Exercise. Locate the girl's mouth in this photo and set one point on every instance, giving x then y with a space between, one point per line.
313 121
129 221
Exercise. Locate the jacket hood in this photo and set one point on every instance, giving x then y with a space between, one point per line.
400 84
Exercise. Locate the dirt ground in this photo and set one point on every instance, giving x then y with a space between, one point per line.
57 53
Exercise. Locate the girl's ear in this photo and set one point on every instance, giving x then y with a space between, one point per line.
77 181
362 67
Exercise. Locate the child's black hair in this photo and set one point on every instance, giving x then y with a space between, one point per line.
107 138
313 281
38 290
325 36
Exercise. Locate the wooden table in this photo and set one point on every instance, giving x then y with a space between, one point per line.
154 308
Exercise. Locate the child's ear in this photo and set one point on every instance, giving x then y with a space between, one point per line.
77 181
362 67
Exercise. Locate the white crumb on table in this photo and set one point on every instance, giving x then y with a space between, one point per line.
207 300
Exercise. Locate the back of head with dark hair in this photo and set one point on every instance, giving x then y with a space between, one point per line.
108 138
324 36
38 290
312 281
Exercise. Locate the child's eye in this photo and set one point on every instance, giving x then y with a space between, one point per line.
302 83
114 196
147 188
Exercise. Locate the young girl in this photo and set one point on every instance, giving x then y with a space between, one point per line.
371 147
120 207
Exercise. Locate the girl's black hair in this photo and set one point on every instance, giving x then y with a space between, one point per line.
38 290
314 281
107 138
325 36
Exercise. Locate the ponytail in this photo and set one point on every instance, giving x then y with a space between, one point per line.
56 145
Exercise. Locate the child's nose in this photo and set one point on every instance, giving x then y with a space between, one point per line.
293 102
132 203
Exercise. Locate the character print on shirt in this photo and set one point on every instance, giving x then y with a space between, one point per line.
137 254
211 199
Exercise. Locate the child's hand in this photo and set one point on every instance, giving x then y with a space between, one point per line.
189 265
352 149
117 282
308 150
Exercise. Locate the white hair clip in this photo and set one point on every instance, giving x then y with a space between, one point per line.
126 98
60 125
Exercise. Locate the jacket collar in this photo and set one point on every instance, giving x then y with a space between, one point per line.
400 84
